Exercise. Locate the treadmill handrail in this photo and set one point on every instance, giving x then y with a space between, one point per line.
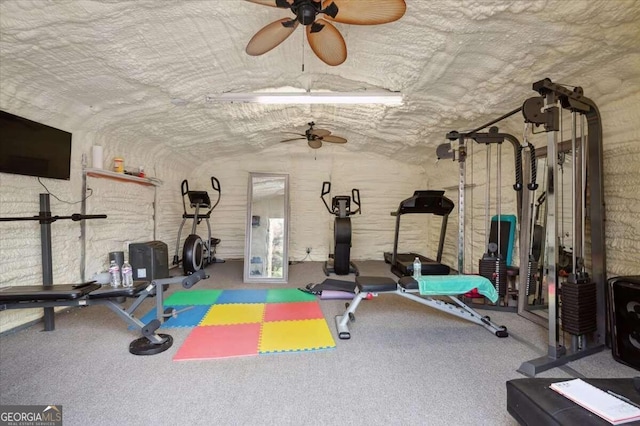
443 206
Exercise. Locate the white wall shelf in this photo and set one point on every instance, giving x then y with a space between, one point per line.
101 173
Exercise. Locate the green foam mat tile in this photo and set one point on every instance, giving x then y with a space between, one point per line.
286 295
193 297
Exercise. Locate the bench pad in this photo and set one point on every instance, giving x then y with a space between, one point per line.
375 284
34 293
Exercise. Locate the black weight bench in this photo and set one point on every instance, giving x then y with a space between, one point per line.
89 294
531 402
409 288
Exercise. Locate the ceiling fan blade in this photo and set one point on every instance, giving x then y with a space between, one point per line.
293 139
360 12
334 139
327 42
274 3
315 143
320 132
270 36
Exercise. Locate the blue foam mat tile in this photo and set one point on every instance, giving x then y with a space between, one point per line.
242 296
189 317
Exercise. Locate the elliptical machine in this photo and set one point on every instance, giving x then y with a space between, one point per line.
196 253
339 263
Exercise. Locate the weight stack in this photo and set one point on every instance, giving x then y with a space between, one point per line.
532 271
494 269
579 307
624 319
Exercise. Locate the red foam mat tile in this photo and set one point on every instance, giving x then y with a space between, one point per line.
292 311
220 341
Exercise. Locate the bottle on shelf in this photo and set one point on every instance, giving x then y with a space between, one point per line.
127 275
114 273
417 268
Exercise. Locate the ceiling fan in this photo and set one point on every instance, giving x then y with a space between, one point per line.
315 137
324 38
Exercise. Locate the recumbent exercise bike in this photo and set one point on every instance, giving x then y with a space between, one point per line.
339 263
196 253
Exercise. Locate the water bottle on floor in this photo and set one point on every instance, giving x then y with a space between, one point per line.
417 268
127 275
114 273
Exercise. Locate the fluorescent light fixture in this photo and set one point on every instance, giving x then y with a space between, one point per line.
386 98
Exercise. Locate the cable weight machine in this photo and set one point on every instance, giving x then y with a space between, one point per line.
493 265
578 305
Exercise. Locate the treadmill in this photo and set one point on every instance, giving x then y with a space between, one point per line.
430 202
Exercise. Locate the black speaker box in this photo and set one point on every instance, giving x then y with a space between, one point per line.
624 319
149 260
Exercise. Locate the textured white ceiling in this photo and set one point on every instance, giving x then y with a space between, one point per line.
138 71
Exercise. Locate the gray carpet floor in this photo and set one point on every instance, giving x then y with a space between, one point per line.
405 364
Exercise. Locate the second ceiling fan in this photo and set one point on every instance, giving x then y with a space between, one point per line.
315 137
324 38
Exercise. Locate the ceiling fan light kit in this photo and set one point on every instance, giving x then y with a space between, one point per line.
384 98
324 38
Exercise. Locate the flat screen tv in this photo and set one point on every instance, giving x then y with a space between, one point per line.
33 149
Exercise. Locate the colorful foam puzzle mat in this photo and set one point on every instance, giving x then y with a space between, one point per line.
246 322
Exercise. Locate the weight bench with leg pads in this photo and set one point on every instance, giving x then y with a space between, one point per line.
422 292
89 294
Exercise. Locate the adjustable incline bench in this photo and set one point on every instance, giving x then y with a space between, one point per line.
88 294
421 292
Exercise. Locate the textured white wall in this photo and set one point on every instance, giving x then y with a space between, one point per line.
382 183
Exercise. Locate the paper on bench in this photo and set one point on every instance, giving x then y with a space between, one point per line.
599 402
452 285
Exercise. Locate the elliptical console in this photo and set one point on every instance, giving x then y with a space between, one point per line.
340 263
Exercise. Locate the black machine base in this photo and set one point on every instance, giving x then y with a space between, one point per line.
538 365
143 346
329 269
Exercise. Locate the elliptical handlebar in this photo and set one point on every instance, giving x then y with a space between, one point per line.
326 189
355 196
215 184
184 190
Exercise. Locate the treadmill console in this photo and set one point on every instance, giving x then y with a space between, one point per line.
433 202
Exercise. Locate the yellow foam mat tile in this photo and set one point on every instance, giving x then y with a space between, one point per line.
302 335
237 313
